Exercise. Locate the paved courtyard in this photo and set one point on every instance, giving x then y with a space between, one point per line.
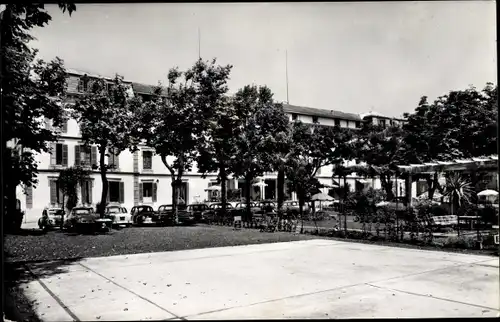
303 279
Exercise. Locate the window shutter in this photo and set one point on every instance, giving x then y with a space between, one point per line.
53 192
93 156
155 188
83 189
117 159
52 154
122 192
65 155
90 191
65 127
141 193
77 155
29 197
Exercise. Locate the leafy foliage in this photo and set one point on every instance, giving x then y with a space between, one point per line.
31 90
263 125
105 114
221 122
68 181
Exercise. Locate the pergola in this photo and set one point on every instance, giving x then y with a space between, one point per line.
487 163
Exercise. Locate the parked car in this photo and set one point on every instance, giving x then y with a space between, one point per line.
165 215
51 218
118 215
242 207
185 215
197 210
145 215
213 213
267 207
85 219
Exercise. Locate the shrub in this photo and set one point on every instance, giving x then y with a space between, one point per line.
461 242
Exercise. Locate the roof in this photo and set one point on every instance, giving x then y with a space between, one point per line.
303 110
73 71
143 88
484 163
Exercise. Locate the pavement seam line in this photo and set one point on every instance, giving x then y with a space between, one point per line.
126 289
432 297
55 297
328 290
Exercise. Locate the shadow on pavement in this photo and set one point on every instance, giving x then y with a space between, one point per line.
16 306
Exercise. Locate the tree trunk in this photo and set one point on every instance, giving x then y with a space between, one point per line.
432 183
343 206
385 180
223 177
175 195
281 193
248 187
104 193
301 210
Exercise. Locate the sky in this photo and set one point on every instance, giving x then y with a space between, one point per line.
352 57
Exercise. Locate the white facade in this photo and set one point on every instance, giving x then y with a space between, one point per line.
132 183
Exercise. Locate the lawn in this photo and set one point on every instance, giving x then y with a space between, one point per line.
34 246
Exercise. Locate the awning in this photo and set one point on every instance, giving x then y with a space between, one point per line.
362 181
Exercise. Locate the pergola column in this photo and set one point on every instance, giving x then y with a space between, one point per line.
408 183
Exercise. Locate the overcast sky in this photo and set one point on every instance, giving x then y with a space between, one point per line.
352 57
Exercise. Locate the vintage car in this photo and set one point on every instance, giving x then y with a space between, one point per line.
266 207
142 215
241 208
51 218
85 219
118 215
197 209
214 213
165 216
185 215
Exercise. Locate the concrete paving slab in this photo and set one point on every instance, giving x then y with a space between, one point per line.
360 301
246 281
90 297
472 284
46 306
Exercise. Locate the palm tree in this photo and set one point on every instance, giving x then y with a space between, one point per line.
459 190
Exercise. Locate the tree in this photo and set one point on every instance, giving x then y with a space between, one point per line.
30 90
105 114
461 124
459 190
219 120
68 181
380 148
170 123
263 123
314 147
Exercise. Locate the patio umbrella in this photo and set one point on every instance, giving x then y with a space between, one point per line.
488 193
321 197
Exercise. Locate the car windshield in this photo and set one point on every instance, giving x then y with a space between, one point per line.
82 212
54 211
166 207
114 210
196 207
141 209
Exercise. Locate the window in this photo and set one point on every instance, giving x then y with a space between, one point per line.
85 156
59 154
315 119
358 124
382 123
56 194
294 117
147 160
83 83
114 158
116 192
86 190
147 190
337 122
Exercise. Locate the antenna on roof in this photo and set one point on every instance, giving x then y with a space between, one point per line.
286 74
199 44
